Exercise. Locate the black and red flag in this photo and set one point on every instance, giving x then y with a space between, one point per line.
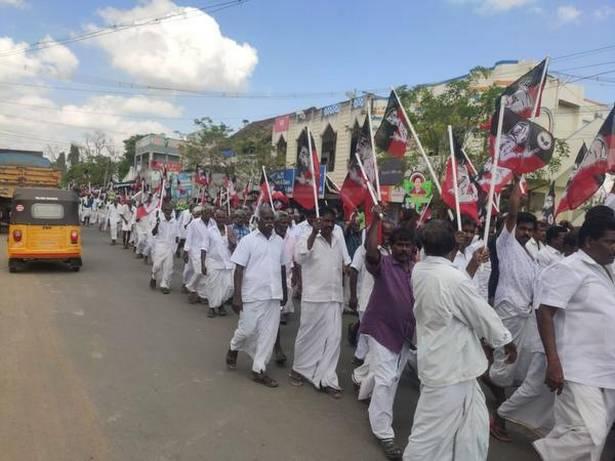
264 195
525 146
467 191
525 93
392 134
354 193
303 187
590 167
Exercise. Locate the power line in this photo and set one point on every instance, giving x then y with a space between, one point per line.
180 14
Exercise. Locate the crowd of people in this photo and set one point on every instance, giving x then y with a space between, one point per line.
527 315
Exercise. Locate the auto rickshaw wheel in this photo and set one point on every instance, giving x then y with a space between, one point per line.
14 266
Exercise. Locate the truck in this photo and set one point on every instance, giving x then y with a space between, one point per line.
23 168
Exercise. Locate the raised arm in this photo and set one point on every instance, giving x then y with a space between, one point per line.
514 205
372 255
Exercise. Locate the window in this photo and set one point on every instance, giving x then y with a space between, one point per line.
329 140
47 211
280 148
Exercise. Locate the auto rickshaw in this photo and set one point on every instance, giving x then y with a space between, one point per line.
44 226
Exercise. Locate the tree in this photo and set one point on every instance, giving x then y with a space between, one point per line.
73 155
60 162
204 146
130 148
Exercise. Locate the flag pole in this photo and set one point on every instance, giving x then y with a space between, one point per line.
371 140
420 146
311 162
469 162
249 186
268 188
228 201
494 168
455 185
541 87
424 212
372 194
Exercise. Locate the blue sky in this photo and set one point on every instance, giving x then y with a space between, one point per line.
298 47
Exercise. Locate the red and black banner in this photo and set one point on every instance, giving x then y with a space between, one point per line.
392 134
354 193
467 192
525 146
590 167
303 187
525 93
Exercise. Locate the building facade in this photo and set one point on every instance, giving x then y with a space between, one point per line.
565 111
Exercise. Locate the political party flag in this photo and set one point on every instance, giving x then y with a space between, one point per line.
590 167
265 192
525 93
467 192
392 134
354 192
525 146
548 209
303 187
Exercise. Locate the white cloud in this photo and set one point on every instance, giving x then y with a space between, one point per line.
57 61
33 121
567 13
186 53
13 3
493 6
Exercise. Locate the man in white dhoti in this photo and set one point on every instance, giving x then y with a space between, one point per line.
513 303
577 320
114 219
260 289
282 221
361 284
451 421
323 257
165 239
388 327
188 272
219 267
126 217
197 237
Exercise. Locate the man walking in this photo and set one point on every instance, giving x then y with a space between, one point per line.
576 318
260 289
451 421
165 234
114 219
323 257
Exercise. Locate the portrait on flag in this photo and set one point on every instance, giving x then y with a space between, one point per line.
526 92
303 186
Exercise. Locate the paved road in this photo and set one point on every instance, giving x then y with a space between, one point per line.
95 366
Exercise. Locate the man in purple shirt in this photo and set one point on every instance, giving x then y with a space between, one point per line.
388 324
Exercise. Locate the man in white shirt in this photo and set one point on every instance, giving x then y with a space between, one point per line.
165 238
216 258
467 258
552 252
513 303
126 217
188 272
451 421
577 320
114 218
260 289
197 236
323 257
537 242
185 218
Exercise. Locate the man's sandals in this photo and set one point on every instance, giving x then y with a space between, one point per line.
263 379
497 432
391 450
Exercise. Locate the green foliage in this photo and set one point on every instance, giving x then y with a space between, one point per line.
73 155
94 170
204 146
60 162
128 158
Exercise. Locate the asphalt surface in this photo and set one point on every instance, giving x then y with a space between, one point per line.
96 366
